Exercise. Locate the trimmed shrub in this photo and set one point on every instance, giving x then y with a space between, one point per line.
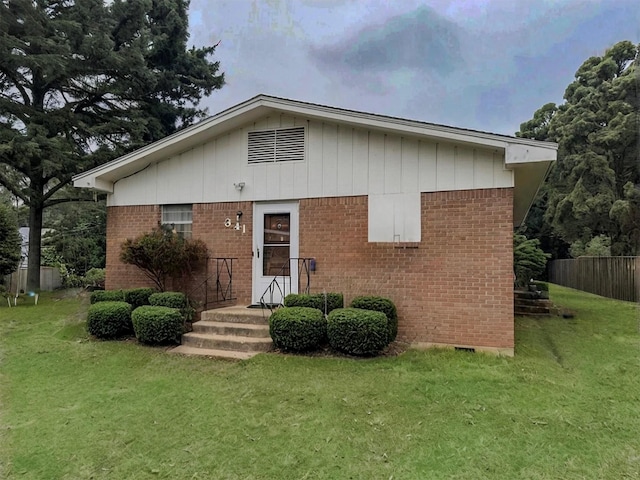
109 319
107 296
138 297
155 325
297 329
357 331
168 299
317 300
380 304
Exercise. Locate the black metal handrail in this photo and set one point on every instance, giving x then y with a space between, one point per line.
283 279
224 281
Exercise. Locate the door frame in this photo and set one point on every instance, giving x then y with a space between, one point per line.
261 282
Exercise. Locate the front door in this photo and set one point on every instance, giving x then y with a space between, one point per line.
275 244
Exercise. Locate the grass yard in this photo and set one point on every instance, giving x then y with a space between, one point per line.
567 406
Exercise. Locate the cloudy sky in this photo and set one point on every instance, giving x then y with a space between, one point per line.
480 64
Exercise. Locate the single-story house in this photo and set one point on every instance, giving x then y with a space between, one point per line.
361 203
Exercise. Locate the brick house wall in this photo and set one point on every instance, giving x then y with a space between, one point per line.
455 287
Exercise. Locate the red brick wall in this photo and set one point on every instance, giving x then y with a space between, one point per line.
455 287
124 223
208 225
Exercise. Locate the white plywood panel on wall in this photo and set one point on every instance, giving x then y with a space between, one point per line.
501 176
287 121
329 160
209 170
394 217
314 159
427 166
410 168
345 161
360 162
376 163
483 168
446 167
287 175
273 182
258 186
392 164
137 189
178 178
463 168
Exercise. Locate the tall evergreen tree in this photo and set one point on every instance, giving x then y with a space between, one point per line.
594 188
10 241
83 81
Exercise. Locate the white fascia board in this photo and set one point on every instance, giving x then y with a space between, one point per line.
522 153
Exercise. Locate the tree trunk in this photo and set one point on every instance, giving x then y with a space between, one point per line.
35 242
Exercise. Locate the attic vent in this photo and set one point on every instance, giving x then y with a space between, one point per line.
281 145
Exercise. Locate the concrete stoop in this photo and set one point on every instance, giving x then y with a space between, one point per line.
232 332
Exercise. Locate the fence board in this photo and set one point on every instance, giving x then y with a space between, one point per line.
612 277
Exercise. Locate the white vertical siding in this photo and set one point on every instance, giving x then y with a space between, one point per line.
340 161
410 166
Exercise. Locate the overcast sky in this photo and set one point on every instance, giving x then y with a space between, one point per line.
480 64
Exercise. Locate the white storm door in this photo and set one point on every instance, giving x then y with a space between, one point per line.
275 251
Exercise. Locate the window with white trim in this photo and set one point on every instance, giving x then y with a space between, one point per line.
178 218
277 145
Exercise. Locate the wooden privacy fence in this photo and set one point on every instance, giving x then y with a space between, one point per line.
612 277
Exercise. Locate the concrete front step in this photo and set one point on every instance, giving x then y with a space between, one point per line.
227 342
237 314
226 328
210 352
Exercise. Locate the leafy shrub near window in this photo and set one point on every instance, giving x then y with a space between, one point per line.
108 320
107 296
297 329
333 301
168 299
156 325
138 297
357 332
380 304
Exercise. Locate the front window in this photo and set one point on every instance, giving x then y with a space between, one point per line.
178 218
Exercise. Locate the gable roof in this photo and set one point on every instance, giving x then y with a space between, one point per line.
530 159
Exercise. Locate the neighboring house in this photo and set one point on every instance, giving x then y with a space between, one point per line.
420 213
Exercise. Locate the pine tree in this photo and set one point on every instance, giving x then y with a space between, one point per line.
594 188
83 81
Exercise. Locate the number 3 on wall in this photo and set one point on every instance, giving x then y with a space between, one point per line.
227 222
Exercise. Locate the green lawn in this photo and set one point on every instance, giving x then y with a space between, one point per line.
567 406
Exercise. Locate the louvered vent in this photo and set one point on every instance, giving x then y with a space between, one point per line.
282 145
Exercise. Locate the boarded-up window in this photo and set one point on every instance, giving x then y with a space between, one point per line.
280 145
394 217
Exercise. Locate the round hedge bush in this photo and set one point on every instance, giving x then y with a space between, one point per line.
137 297
155 325
380 304
109 319
106 296
297 329
317 300
168 299
357 332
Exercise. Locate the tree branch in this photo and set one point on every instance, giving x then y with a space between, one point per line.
13 189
